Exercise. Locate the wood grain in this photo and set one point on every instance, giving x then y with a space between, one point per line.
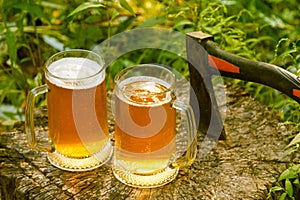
242 167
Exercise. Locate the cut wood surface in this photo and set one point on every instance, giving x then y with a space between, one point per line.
242 167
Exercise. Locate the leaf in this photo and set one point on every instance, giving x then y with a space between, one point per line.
8 122
126 6
183 23
276 188
152 22
12 47
254 41
114 14
31 8
282 197
290 173
296 183
296 140
289 187
291 150
125 24
84 6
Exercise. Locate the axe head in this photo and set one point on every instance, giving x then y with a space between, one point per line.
200 36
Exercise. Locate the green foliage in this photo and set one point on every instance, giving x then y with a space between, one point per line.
256 29
125 5
85 6
288 185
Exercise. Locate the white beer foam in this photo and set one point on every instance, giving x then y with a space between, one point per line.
146 83
76 73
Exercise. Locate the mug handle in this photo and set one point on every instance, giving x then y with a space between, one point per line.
189 155
29 118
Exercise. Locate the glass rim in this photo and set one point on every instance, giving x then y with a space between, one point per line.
47 64
152 65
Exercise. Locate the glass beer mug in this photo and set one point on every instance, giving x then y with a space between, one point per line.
77 111
155 134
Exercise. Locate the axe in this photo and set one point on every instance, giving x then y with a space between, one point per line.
206 59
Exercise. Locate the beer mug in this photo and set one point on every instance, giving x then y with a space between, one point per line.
77 111
155 134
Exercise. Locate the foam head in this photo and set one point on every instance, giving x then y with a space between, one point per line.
75 73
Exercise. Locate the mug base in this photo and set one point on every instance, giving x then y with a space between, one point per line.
81 164
146 181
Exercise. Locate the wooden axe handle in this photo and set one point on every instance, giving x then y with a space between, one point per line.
234 66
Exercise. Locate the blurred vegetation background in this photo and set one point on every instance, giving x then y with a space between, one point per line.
32 30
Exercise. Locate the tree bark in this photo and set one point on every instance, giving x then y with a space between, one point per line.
243 166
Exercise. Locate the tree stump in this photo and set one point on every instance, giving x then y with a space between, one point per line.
243 167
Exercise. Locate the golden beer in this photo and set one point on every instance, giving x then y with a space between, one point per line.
78 138
63 131
149 145
77 109
145 125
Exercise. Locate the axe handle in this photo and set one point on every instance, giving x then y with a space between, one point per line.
234 66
